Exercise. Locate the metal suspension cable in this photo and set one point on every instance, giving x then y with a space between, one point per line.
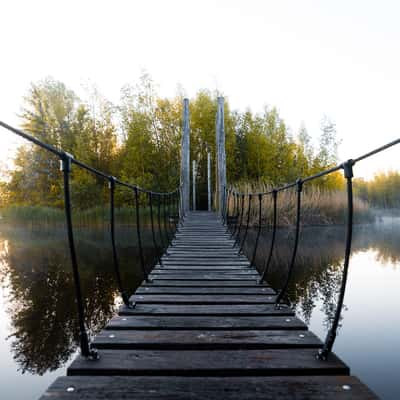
124 295
237 213
66 161
153 234
226 219
271 249
253 258
159 221
139 235
282 293
331 335
247 224
240 221
348 173
86 349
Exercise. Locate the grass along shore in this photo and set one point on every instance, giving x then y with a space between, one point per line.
318 207
41 216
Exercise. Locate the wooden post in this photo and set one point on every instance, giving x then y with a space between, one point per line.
221 157
194 184
185 158
209 179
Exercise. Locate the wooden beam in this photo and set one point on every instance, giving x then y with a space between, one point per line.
185 157
194 173
221 157
209 180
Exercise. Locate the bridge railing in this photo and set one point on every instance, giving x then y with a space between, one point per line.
165 210
237 220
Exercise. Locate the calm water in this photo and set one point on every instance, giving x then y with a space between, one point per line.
38 319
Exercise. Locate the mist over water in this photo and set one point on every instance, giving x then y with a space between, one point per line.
38 329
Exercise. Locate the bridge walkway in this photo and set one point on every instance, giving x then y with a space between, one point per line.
205 328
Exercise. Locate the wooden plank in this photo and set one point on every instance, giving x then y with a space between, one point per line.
176 255
202 283
206 273
202 299
205 340
220 268
209 262
271 362
198 309
206 276
204 290
150 322
211 388
204 315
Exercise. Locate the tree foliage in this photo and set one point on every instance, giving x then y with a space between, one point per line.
139 141
382 191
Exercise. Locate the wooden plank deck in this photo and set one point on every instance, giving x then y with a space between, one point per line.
204 328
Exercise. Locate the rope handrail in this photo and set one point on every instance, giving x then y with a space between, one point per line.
62 154
174 202
347 168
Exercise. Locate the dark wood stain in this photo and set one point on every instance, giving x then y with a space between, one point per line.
204 328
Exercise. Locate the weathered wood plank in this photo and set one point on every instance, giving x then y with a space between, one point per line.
187 269
202 283
204 290
206 322
218 255
209 362
205 276
205 340
204 315
210 262
202 299
211 388
205 273
196 309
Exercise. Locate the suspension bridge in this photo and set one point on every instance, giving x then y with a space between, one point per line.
205 323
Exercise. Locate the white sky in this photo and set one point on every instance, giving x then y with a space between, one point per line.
309 58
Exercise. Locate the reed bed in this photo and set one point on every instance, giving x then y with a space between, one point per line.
318 207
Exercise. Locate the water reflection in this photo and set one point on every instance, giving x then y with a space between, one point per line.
35 268
318 270
36 275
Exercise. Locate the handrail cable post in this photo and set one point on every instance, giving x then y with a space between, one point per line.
247 225
153 234
176 211
86 349
271 248
228 197
170 210
124 295
223 211
253 258
235 213
139 235
159 223
240 222
331 336
170 214
182 213
299 189
165 220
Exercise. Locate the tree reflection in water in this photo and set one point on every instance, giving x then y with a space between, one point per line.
318 269
35 269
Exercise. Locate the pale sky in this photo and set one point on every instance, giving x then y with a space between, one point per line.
308 58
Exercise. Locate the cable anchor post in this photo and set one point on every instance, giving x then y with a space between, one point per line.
86 349
125 297
323 353
282 293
